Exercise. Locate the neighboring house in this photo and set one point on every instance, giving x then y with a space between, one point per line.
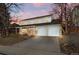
76 16
41 26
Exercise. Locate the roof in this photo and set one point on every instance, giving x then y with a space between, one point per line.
37 17
33 21
40 24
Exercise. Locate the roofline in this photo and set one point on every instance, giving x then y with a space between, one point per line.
39 24
52 22
36 17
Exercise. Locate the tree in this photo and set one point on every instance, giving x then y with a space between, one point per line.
5 9
64 11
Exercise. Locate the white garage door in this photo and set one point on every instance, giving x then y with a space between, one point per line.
42 31
49 30
54 30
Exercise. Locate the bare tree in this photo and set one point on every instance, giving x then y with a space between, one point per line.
64 11
5 10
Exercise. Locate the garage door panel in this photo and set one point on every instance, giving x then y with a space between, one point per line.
41 31
54 30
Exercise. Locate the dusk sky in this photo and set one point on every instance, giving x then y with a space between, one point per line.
29 10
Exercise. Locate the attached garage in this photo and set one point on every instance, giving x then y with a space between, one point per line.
43 26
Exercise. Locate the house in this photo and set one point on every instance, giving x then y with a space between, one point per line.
41 26
75 14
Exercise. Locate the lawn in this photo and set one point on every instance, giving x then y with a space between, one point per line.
12 39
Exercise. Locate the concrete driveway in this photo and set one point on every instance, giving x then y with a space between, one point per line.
34 46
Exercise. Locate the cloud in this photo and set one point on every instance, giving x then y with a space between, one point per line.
26 15
41 12
39 4
30 14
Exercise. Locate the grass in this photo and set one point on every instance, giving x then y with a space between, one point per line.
12 39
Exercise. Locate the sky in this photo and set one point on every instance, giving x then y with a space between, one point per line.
29 10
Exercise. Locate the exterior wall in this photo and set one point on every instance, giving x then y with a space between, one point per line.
46 19
44 30
22 31
28 31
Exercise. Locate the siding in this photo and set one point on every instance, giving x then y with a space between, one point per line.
46 19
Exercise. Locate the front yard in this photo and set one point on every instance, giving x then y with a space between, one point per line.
12 39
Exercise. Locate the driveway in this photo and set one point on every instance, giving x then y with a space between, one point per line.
34 46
